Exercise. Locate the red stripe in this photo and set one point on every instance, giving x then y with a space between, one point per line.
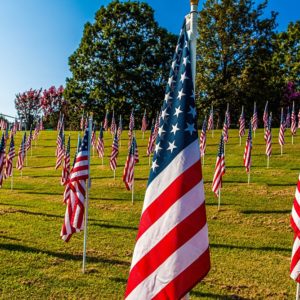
295 260
173 240
186 280
180 186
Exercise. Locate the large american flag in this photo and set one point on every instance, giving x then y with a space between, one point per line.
281 129
293 121
210 123
132 159
74 215
269 137
295 223
225 129
203 138
265 115
9 160
2 159
114 152
21 153
254 118
60 150
100 143
66 167
219 168
171 254
144 122
242 123
247 152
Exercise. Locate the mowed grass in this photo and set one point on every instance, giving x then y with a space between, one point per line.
250 237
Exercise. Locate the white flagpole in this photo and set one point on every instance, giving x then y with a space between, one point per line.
268 162
102 160
143 134
114 174
86 206
203 159
240 141
249 177
12 179
219 199
292 139
281 150
297 291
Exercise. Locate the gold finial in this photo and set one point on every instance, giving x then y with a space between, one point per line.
194 2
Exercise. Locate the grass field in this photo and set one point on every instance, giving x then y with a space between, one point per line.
250 238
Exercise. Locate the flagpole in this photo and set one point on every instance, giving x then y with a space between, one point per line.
203 159
281 150
219 199
249 176
292 139
88 186
268 162
297 291
240 141
12 179
114 174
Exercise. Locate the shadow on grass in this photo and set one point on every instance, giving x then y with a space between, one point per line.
266 248
216 296
119 280
107 199
38 214
114 226
44 193
65 256
11 204
281 184
42 167
249 212
9 238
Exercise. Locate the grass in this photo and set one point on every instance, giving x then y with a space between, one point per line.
250 238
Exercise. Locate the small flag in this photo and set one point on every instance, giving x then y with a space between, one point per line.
228 116
113 125
247 152
93 137
105 122
203 139
82 121
11 154
288 118
281 129
225 129
265 115
293 121
219 169
210 124
29 139
131 124
254 118
144 122
114 152
2 159
60 149
100 143
21 153
66 167
132 159
120 128
151 141
269 137
242 123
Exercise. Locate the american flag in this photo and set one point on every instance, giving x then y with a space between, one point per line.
225 129
299 118
254 118
113 125
269 137
288 118
265 115
36 131
21 153
100 143
105 122
281 129
132 159
144 122
93 138
60 122
203 138
10 155
131 123
114 153
29 139
120 128
151 141
2 159
247 152
66 167
86 123
293 121
60 150
210 124
171 254
295 224
74 215
82 121
242 123
219 168
228 116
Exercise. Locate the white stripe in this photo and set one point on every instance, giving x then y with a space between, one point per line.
296 271
173 266
186 158
182 208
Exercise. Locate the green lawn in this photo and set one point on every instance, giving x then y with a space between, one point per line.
250 238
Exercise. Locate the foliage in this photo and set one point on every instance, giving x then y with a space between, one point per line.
122 62
234 56
28 106
250 238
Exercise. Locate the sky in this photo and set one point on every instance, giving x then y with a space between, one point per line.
38 36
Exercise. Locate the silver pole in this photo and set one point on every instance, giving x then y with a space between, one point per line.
86 206
219 199
297 292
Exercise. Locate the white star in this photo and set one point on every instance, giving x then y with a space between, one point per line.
154 165
170 81
177 111
157 148
178 48
180 94
161 131
190 128
171 146
185 61
186 45
183 77
193 95
174 128
192 111
167 97
174 64
164 114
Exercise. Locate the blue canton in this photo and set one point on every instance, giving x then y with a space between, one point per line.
177 126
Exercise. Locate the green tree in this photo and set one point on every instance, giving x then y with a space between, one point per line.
234 56
122 62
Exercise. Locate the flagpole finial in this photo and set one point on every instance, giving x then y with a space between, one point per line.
194 2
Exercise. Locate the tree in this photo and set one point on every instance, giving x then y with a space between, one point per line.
28 106
234 55
122 62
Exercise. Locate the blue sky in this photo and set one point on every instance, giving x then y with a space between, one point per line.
38 36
